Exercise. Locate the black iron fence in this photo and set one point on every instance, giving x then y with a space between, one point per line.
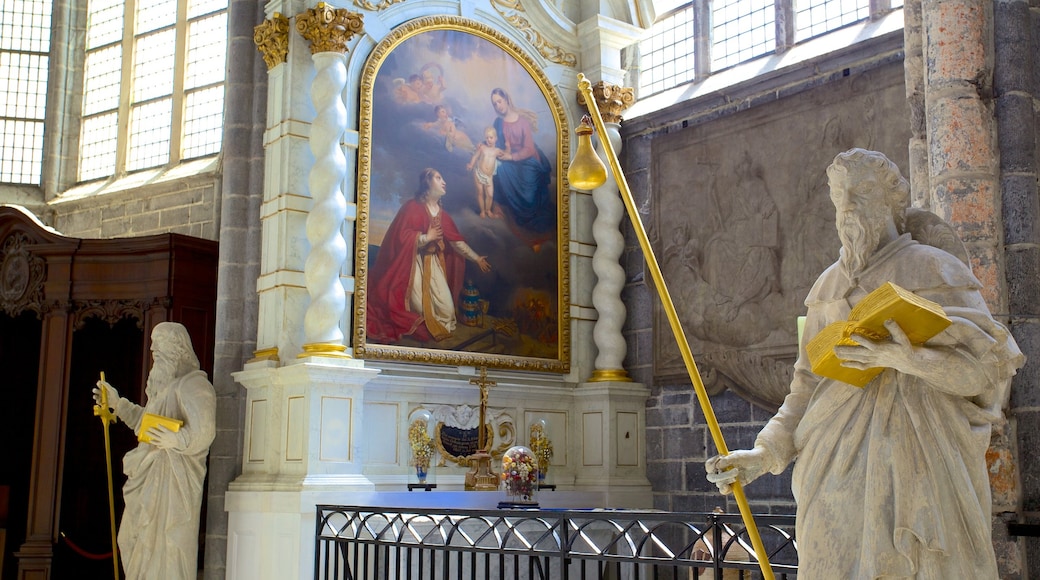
371 543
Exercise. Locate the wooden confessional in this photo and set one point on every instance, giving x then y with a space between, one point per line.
69 309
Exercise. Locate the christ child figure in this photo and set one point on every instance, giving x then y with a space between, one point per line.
484 164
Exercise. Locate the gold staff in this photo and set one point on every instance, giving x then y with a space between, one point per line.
107 418
585 87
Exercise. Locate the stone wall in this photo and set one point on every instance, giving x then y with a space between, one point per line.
677 440
780 133
183 206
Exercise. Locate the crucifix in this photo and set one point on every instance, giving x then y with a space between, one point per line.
485 385
480 477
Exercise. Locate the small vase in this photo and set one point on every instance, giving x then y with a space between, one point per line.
420 472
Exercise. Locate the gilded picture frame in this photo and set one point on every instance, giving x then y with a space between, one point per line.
462 208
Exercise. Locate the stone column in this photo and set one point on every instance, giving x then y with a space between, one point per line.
280 287
610 408
963 160
328 29
606 296
602 40
966 171
303 439
913 46
1015 480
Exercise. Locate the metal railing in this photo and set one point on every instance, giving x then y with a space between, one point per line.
372 543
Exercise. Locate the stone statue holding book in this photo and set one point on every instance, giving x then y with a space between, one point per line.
159 532
890 477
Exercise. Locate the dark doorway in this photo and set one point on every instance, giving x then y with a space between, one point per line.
85 548
20 360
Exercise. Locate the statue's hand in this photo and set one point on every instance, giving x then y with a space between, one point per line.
897 353
163 438
111 395
744 465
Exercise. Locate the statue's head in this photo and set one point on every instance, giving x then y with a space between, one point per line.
870 197
171 340
873 178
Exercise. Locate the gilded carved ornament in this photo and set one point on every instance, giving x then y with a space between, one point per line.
611 100
512 11
329 29
382 5
272 39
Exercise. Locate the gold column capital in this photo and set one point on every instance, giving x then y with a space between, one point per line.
272 39
329 29
611 100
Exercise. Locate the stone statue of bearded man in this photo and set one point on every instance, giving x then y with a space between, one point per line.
890 479
158 534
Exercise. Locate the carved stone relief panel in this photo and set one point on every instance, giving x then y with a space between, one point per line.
743 224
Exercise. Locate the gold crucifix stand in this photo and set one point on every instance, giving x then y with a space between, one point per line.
480 476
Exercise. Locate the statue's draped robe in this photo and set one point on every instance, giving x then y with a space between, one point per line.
159 532
891 479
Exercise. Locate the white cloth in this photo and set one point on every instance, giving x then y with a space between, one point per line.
442 303
891 480
159 532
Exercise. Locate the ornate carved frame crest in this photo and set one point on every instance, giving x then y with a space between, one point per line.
21 276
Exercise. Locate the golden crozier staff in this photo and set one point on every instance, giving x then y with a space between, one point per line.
585 88
107 418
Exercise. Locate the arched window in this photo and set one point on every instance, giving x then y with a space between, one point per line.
25 30
693 39
153 84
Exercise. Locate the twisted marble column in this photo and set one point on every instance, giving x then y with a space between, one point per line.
610 243
328 29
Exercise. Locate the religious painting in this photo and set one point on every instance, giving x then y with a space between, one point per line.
462 240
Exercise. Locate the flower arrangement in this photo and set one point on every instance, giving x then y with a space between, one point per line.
422 447
542 448
520 473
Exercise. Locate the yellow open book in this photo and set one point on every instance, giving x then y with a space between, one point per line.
150 420
919 318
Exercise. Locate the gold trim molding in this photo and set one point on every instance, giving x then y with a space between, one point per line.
611 100
329 349
329 29
272 39
610 375
512 11
270 354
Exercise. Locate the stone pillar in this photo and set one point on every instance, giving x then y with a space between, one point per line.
241 196
913 46
967 169
328 29
602 41
611 100
303 437
962 155
609 407
281 287
1016 101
